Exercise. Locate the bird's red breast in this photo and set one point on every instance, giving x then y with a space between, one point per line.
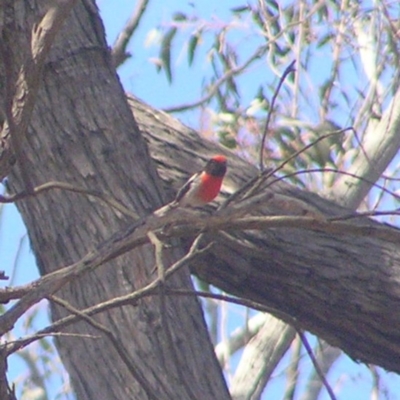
210 187
211 178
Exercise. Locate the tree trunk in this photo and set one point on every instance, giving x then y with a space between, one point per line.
82 132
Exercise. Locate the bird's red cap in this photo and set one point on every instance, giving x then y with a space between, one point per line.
219 158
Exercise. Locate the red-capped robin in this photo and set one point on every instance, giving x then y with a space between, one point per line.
201 188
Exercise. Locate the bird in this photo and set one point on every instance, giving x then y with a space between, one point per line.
201 188
204 186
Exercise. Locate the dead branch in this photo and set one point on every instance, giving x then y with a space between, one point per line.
118 52
213 88
289 69
316 365
109 200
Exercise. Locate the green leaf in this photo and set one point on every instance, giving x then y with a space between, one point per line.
291 36
240 9
193 42
165 55
227 140
179 16
325 39
274 4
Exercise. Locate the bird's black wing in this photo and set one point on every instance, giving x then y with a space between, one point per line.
185 188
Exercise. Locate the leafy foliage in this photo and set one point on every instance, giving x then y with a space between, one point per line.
345 55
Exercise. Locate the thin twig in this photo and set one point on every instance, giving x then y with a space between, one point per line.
214 88
336 171
130 299
363 214
394 28
253 184
268 173
289 69
315 363
337 47
111 201
234 300
3 276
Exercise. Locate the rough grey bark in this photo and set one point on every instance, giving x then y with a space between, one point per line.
82 132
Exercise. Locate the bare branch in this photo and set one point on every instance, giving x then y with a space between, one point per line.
111 201
316 365
289 69
325 356
292 371
344 173
184 225
48 284
131 299
337 47
239 337
118 52
270 344
213 89
253 184
379 147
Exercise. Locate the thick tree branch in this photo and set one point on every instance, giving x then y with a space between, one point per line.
286 268
379 147
253 372
188 224
120 244
239 337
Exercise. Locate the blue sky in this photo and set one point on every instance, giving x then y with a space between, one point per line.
140 77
